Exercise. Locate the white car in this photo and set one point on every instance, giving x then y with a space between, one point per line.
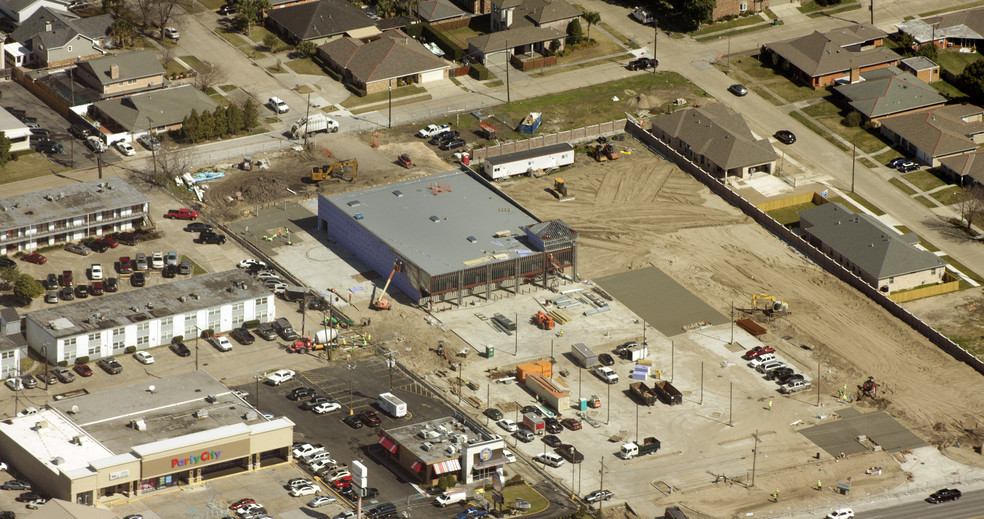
279 377
14 383
27 411
96 272
249 509
321 464
299 482
172 33
144 357
125 148
306 490
320 501
278 105
323 455
326 407
338 474
222 343
249 262
347 514
510 457
432 129
95 144
607 374
841 513
306 450
157 260
507 424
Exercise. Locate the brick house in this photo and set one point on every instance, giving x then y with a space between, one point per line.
724 8
124 73
390 60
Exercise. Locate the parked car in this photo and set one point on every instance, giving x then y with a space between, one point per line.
172 33
738 90
353 421
570 453
320 501
51 282
841 513
599 495
185 268
299 393
278 105
97 288
605 359
907 166
571 423
81 292
242 336
181 214
112 285
15 484
169 271
198 227
785 136
493 413
894 163
306 490
180 349
51 297
80 132
452 144
128 238
108 241
138 279
507 425
78 248
432 129
64 375
266 331
552 441
279 377
316 401
95 144
643 63
221 343
144 357
110 365
945 494
83 370
757 351
549 458
211 237
326 407
228 9
95 272
369 418
553 425
35 258
149 141
49 147
125 148
442 137
66 279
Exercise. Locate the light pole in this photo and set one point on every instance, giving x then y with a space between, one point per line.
153 152
351 368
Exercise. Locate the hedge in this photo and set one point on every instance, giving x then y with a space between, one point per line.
82 360
251 324
479 72
130 349
453 51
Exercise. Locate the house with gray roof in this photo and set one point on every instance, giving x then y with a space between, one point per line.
521 40
716 139
390 60
841 55
319 21
123 73
510 14
922 67
436 10
966 168
56 38
959 29
159 110
877 254
21 10
888 92
931 135
523 27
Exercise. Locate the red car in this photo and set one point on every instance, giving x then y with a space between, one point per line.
83 370
182 214
126 265
67 280
241 503
369 418
35 258
758 350
571 423
344 482
97 288
108 241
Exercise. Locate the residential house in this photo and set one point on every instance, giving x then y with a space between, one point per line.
126 118
966 168
511 14
15 130
716 139
55 38
877 254
922 67
724 8
959 29
124 73
887 92
320 21
280 4
20 10
393 59
840 55
522 40
432 11
932 135
477 7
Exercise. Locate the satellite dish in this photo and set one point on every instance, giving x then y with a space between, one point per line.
75 409
152 389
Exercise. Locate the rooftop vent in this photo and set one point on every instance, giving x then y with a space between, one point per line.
212 399
196 297
41 424
250 415
472 239
435 219
58 460
138 424
181 299
201 413
134 309
150 306
427 446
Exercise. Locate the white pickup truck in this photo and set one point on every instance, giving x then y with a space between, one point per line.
432 129
607 374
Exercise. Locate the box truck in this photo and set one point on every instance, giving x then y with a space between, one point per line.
393 406
631 450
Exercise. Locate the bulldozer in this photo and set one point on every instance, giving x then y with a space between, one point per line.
868 388
341 170
777 305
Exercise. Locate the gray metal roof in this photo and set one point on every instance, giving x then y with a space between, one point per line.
967 24
866 242
68 201
919 63
889 91
124 308
132 65
530 154
429 221
719 134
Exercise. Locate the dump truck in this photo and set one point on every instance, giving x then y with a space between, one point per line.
643 393
667 393
392 405
314 123
631 450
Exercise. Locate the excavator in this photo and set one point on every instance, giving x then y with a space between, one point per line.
341 170
382 303
868 388
777 305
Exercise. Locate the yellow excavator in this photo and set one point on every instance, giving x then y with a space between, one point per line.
777 305
341 170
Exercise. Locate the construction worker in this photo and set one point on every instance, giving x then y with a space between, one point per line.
770 405
819 486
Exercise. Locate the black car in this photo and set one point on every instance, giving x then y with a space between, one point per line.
443 137
52 282
14 484
82 291
552 441
946 494
738 90
40 132
80 132
778 373
605 359
553 425
242 336
643 64
211 237
381 510
180 349
112 285
169 271
452 144
138 279
353 421
27 497
110 365
7 262
66 294
228 9
98 246
301 392
266 331
314 402
49 147
198 227
493 413
128 238
789 379
785 136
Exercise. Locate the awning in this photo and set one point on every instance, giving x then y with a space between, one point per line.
491 463
417 465
447 466
388 444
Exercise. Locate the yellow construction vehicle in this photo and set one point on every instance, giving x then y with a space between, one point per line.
341 170
559 187
777 305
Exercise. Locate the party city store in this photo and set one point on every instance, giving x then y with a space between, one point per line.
181 430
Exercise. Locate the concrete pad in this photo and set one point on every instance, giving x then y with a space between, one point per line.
840 436
765 184
659 300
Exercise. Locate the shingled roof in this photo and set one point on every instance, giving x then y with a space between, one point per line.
436 10
63 28
132 65
321 19
941 131
718 134
966 165
512 38
840 50
162 107
393 55
889 91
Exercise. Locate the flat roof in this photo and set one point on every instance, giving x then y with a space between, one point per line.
530 154
68 201
440 433
169 412
442 223
54 444
125 308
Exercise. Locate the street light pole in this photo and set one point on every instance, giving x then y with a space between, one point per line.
351 368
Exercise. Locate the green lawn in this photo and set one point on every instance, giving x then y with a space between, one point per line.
305 66
819 130
925 201
213 5
228 88
903 229
793 92
258 34
835 10
724 26
789 215
604 47
462 34
955 61
196 269
949 9
379 97
949 90
174 68
902 186
537 502
235 38
822 109
886 156
866 204
948 196
866 140
923 180
29 165
754 68
867 163
192 62
619 36
809 7
400 102
728 34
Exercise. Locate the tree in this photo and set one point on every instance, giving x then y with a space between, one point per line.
306 48
5 155
27 288
112 6
928 51
208 75
972 79
694 12
167 55
554 46
270 42
146 8
251 13
385 8
251 114
208 125
574 34
591 18
234 116
972 203
123 32
163 12
171 163
905 40
8 275
221 122
191 127
853 119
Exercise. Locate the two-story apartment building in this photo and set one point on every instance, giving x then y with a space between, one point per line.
124 73
69 213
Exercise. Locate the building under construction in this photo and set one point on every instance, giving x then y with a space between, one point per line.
453 234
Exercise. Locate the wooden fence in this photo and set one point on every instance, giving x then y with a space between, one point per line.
571 136
950 283
790 201
941 341
533 64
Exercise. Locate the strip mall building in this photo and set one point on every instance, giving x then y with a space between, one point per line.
183 429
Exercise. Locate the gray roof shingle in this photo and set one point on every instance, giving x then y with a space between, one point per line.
64 27
889 91
719 134
435 10
391 56
818 54
132 65
966 165
499 41
162 107
320 19
941 131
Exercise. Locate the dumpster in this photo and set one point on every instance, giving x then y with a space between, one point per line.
489 351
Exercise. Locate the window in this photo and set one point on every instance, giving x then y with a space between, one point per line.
167 329
69 349
94 350
742 7
119 339
7 355
891 280
261 308
191 329
215 318
238 313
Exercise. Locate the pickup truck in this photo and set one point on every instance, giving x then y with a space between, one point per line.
607 374
182 214
432 129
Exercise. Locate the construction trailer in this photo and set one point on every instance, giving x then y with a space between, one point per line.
585 357
456 234
526 162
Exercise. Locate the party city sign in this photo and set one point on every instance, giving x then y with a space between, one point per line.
191 460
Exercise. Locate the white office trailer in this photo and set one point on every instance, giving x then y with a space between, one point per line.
526 162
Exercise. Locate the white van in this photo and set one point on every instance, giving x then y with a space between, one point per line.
769 366
451 496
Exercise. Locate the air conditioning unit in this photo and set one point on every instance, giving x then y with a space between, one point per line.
201 413
138 424
427 446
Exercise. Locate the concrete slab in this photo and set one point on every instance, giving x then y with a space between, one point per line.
839 437
659 300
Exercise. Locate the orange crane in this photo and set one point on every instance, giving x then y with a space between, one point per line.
382 303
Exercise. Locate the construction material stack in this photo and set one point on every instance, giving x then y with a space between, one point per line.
640 372
542 367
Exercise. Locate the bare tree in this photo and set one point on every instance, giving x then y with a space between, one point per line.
146 9
167 55
208 75
172 162
163 12
972 203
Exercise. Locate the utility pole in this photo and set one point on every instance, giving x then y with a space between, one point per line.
153 151
44 353
872 9
637 425
303 312
701 383
672 360
655 39
307 112
854 162
99 164
732 323
608 404
516 347
755 451
508 55
818 383
459 383
601 502
389 118
488 401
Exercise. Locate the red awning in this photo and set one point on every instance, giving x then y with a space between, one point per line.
447 466
388 444
417 465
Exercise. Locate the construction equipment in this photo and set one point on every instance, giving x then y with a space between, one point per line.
543 320
559 187
605 151
868 388
594 402
405 160
341 170
382 303
489 129
777 305
304 345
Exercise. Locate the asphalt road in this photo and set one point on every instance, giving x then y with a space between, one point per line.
970 506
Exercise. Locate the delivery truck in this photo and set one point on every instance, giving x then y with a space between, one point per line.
393 406
631 450
534 423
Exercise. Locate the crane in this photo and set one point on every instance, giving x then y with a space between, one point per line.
382 303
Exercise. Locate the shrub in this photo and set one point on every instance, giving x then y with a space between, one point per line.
129 349
82 360
515 480
853 119
574 32
207 333
251 324
479 72
63 363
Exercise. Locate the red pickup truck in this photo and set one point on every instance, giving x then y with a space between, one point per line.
182 214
